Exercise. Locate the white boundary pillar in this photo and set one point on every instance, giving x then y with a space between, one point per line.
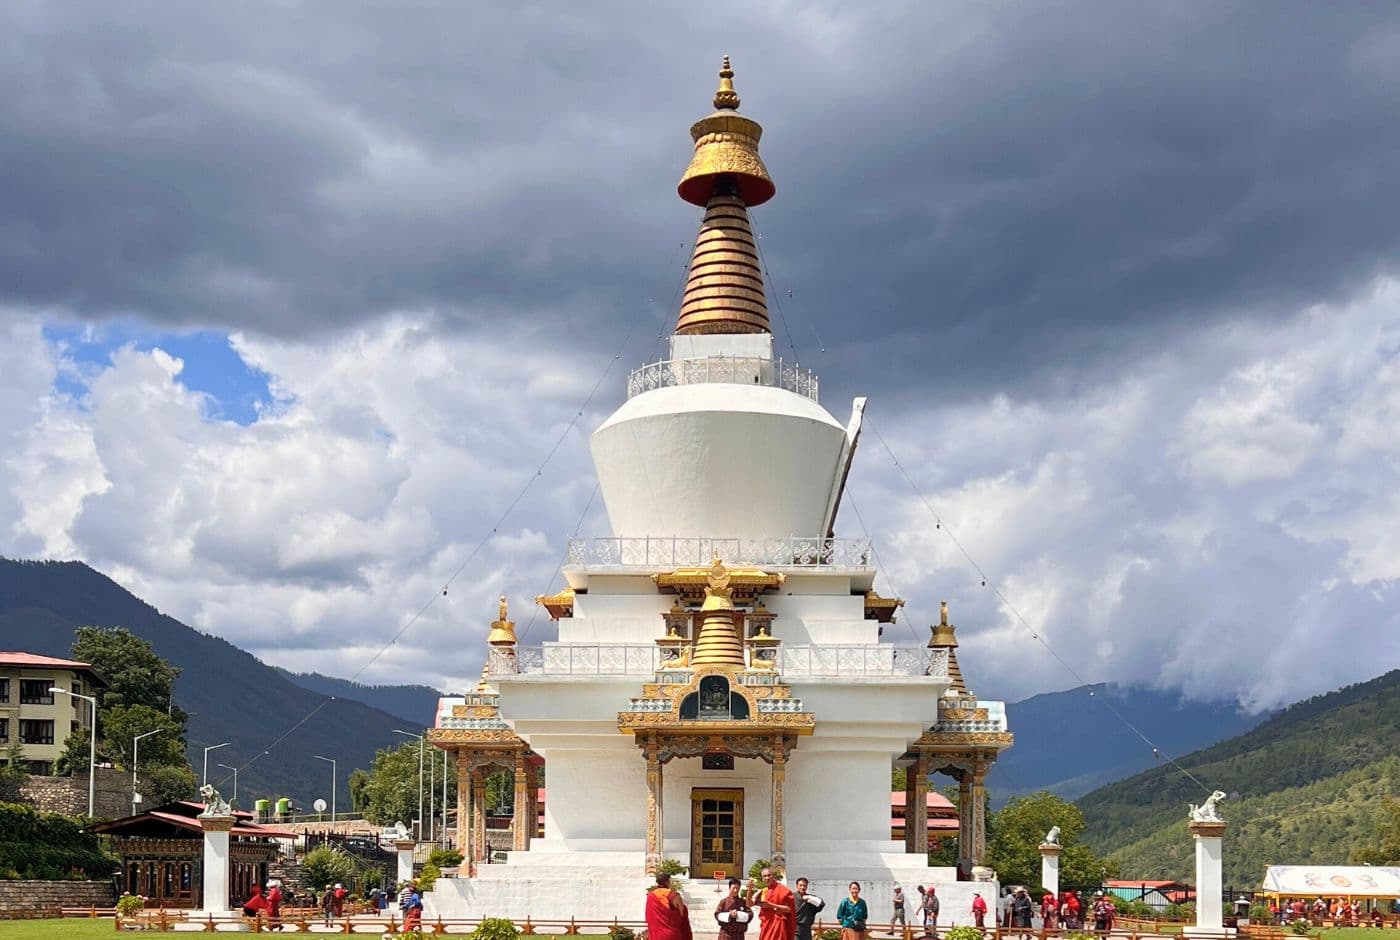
1209 876
405 854
216 862
1050 866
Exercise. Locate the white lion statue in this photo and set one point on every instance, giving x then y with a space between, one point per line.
1209 811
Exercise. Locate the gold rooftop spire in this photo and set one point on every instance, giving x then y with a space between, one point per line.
945 637
717 642
724 293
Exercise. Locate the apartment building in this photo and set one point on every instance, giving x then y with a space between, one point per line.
34 717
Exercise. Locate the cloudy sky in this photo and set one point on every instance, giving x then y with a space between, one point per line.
295 298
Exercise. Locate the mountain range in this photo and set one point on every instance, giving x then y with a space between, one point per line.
1304 786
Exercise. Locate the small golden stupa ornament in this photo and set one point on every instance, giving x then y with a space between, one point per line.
944 637
502 628
717 641
724 293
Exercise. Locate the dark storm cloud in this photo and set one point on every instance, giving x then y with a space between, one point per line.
972 195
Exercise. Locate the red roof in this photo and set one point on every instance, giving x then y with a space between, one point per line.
1125 883
939 823
933 801
43 662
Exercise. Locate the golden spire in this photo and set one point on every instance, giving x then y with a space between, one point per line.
944 637
724 293
503 628
717 642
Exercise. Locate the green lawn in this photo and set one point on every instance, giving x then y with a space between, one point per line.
69 928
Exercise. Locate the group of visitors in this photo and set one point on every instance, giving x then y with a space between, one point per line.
333 898
333 903
1344 912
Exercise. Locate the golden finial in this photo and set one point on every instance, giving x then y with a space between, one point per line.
717 587
943 613
945 637
726 99
503 628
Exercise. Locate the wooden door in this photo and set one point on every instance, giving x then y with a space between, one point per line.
716 832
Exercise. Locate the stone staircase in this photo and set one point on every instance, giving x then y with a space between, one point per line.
701 898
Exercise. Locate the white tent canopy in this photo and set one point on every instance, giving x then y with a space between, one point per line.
1357 881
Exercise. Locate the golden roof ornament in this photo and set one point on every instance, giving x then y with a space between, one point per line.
944 637
717 641
724 293
502 628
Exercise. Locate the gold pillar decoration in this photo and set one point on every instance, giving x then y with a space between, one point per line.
944 637
717 641
916 806
655 846
478 815
464 810
779 855
519 822
978 792
965 827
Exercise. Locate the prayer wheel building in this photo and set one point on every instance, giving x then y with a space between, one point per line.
719 692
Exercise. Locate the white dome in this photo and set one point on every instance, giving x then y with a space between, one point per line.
719 461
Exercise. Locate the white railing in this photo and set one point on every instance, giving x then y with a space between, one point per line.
879 659
671 552
733 370
644 659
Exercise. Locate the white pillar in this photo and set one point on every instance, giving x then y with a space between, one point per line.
405 850
1050 867
216 863
1209 877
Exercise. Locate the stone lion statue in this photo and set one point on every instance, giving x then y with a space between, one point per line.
1053 836
1209 811
214 804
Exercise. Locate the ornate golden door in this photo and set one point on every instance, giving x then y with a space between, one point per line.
716 833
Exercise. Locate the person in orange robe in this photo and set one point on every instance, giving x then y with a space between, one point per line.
777 909
667 917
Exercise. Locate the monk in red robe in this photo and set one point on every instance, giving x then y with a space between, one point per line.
667 917
777 909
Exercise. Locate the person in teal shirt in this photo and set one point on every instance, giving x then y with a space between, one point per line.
852 914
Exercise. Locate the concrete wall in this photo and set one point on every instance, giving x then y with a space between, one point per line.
69 795
50 895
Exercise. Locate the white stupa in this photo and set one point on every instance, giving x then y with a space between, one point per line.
719 692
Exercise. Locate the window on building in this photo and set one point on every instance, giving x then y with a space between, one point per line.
35 731
35 692
41 768
4 731
4 690
77 690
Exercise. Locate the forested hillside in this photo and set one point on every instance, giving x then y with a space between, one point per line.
1304 786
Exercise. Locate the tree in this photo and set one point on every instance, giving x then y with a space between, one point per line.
327 866
122 723
134 674
358 798
1385 848
13 774
390 794
1016 832
166 784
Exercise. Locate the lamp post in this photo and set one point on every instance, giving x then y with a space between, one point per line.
204 777
92 743
331 761
235 777
135 750
410 734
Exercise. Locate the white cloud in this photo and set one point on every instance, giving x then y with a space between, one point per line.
1220 518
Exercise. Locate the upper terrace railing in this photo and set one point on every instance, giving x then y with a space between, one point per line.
671 552
733 370
637 659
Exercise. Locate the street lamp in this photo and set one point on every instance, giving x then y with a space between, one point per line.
331 760
235 777
135 749
213 747
92 743
410 734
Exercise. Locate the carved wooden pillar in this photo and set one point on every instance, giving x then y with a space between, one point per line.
779 777
655 833
478 814
978 792
464 811
520 823
965 827
533 822
916 806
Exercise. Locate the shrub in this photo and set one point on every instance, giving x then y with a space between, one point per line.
622 933
672 867
1302 927
962 933
756 869
325 865
445 858
129 904
428 876
829 933
48 845
496 928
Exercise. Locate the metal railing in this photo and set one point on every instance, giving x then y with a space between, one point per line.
731 370
673 552
635 659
